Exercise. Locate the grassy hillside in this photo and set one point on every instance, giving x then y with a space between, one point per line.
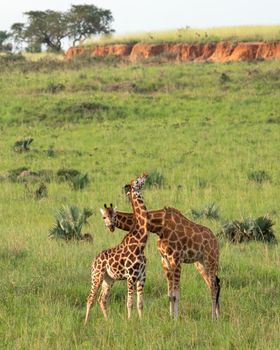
195 35
205 128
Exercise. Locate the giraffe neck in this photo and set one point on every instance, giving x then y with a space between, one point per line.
125 221
140 227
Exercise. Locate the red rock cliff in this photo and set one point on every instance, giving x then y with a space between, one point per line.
215 52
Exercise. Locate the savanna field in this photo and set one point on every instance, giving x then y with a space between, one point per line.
205 128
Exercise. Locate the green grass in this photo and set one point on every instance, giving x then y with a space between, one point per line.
113 121
195 35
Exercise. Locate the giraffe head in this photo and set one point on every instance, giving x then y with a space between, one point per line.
136 184
109 216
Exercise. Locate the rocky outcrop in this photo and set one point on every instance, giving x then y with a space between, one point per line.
215 52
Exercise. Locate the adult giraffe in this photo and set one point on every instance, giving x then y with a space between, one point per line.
179 241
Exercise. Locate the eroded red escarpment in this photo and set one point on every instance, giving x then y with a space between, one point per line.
215 52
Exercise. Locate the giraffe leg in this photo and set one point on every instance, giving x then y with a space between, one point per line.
95 284
176 291
217 296
169 276
140 286
215 293
130 293
103 298
200 268
208 271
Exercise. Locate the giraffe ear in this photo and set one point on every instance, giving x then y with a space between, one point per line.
102 211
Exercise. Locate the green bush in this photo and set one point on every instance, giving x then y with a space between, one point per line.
224 78
36 192
259 176
53 88
209 211
249 229
69 223
65 174
79 182
23 145
11 58
155 179
41 191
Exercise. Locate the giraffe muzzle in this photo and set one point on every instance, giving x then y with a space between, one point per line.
112 228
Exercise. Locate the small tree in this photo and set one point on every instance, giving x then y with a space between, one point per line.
86 20
46 27
51 27
3 37
17 33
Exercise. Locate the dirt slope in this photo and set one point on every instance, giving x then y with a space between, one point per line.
215 52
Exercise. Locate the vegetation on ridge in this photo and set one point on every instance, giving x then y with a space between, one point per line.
194 35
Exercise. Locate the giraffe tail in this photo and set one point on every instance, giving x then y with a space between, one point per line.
218 290
217 284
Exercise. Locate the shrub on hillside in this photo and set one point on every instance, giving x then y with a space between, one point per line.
11 58
69 223
79 182
248 229
259 176
36 193
65 174
155 179
53 88
209 211
23 145
12 175
41 191
224 78
24 174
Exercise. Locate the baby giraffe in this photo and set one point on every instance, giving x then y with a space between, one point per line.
126 260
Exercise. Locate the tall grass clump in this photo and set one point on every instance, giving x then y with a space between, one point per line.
209 211
249 229
259 176
155 179
69 223
39 192
23 145
79 182
65 173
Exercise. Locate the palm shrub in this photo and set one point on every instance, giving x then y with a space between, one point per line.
249 229
23 145
79 182
209 211
69 223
